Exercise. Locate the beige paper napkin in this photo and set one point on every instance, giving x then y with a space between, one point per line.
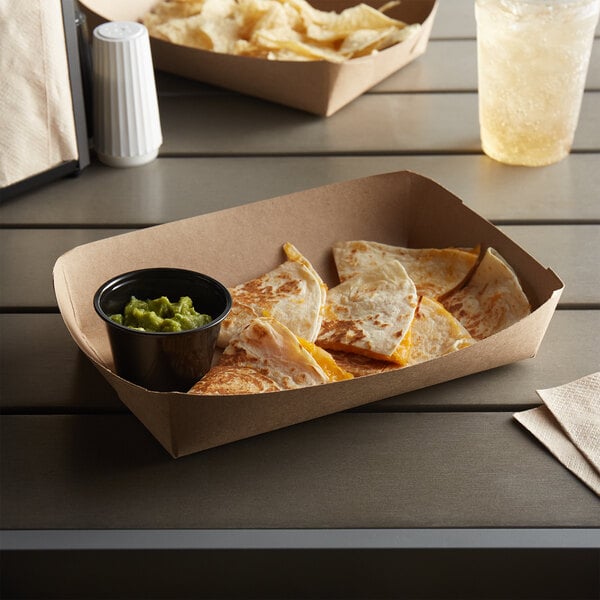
37 125
568 424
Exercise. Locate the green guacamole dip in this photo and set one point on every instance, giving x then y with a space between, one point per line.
161 315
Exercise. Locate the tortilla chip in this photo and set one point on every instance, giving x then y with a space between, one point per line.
371 314
435 271
276 29
491 300
329 25
275 40
165 11
293 293
187 32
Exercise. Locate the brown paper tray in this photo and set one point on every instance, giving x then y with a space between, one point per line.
237 244
317 87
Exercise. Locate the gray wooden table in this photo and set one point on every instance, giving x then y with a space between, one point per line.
438 493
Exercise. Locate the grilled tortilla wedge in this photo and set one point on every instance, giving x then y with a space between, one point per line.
267 356
434 271
371 314
434 332
293 293
491 300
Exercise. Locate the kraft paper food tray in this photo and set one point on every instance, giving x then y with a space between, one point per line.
237 244
317 87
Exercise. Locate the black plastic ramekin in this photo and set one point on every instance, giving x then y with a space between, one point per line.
163 361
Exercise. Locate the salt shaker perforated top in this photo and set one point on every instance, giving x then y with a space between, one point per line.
127 128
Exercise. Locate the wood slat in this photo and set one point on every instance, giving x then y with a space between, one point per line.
455 19
347 470
373 123
27 257
43 370
27 260
171 189
573 252
43 343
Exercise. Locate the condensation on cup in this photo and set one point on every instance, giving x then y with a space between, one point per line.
532 60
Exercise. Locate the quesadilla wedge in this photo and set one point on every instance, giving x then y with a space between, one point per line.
293 293
435 332
371 314
224 379
435 271
267 356
491 300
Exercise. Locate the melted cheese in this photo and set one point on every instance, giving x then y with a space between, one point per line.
325 361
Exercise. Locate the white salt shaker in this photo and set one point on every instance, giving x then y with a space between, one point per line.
127 130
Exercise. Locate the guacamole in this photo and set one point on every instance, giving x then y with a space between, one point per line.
161 315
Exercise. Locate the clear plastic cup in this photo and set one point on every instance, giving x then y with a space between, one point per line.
533 57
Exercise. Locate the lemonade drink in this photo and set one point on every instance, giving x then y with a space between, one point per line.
533 57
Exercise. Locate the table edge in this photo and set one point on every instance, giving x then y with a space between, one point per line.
300 539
